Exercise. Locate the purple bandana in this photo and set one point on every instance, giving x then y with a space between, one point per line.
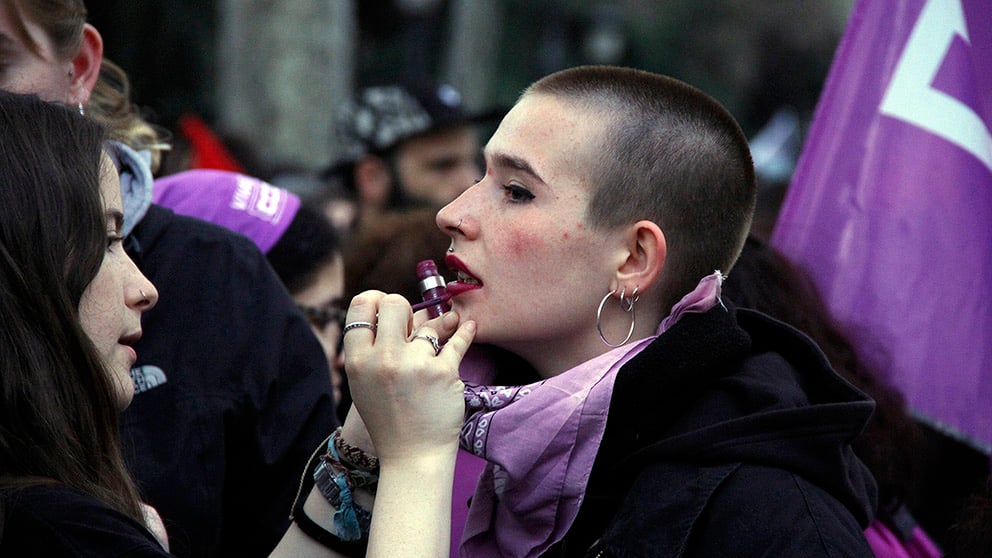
541 440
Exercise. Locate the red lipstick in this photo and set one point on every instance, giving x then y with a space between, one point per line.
465 282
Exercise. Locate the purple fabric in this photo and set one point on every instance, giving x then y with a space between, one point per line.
890 207
541 441
468 468
240 203
885 544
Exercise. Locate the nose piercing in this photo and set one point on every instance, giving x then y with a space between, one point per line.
459 225
143 295
452 247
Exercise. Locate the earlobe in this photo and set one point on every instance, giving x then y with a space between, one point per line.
86 63
645 256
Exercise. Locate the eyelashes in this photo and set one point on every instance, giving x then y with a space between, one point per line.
517 194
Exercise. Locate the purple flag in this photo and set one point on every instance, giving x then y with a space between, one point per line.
890 207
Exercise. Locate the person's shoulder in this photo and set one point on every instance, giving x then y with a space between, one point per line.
169 243
780 512
162 224
693 510
57 520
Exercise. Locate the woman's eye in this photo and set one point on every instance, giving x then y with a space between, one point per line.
517 193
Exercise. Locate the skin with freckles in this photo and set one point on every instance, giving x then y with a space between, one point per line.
111 306
524 235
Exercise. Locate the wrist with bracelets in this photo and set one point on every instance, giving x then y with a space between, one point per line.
361 465
336 478
351 521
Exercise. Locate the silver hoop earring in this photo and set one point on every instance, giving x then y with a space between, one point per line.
627 305
80 107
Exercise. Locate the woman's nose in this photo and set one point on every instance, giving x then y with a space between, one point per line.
146 296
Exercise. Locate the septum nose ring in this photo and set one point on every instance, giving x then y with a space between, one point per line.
458 228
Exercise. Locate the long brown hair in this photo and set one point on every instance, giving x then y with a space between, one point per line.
58 410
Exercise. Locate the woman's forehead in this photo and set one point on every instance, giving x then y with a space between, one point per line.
546 136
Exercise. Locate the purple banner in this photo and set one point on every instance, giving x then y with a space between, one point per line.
890 207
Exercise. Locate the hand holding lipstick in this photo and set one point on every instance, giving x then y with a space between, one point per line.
409 396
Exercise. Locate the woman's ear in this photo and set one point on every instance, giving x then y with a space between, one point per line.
646 252
86 65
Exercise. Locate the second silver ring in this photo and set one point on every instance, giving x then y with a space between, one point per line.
358 325
430 339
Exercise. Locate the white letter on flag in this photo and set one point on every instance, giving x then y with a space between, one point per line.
910 96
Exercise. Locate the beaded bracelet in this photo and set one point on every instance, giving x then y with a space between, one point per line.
351 455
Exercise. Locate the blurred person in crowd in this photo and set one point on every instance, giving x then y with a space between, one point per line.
299 242
407 144
231 388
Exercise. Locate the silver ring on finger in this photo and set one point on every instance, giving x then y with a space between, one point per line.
358 325
430 339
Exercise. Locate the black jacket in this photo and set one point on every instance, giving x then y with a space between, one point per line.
218 448
728 436
56 521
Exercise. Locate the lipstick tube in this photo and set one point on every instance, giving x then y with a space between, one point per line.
432 289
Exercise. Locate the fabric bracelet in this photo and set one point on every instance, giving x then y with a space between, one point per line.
334 482
325 537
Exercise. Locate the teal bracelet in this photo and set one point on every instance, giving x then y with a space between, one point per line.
351 521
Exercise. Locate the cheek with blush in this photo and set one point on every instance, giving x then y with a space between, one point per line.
523 243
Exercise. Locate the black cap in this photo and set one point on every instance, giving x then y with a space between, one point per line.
378 118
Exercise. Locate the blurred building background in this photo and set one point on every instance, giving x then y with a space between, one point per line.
267 75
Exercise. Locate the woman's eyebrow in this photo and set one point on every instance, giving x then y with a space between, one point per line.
513 162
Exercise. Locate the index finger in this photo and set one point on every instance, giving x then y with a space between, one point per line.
360 321
454 350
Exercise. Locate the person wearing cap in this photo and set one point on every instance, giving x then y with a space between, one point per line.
407 144
298 241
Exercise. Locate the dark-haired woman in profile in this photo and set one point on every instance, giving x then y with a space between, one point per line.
70 310
71 302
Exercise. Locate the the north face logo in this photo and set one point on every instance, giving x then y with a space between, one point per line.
147 377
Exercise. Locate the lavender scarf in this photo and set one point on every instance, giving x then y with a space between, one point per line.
541 440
